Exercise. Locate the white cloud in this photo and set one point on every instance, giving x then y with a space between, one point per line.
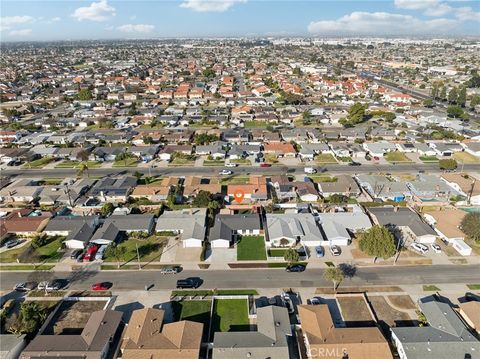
210 5
366 23
7 22
54 19
435 8
138 28
22 32
96 11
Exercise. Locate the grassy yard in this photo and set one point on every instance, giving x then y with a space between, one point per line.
149 249
50 252
271 158
11 255
242 161
255 124
235 180
131 162
277 252
251 248
325 158
430 288
323 178
465 157
182 162
76 164
29 267
397 157
196 292
27 254
214 163
40 163
194 310
473 286
428 158
230 315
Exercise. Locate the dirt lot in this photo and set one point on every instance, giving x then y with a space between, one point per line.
72 317
402 301
386 313
354 309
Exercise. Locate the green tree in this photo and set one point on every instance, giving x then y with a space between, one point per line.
462 97
291 255
39 241
475 101
83 168
443 93
377 242
447 164
107 208
470 225
334 275
208 72
31 317
455 111
452 96
85 95
428 102
202 199
116 251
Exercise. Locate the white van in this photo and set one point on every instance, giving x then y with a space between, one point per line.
310 170
100 252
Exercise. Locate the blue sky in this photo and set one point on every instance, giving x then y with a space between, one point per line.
23 20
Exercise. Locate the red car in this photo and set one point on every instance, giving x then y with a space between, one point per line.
265 165
90 254
102 286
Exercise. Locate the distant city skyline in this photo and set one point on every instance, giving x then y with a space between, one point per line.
109 19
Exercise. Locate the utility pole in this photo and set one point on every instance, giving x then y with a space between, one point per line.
138 257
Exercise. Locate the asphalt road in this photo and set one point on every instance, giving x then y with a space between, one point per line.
213 171
255 278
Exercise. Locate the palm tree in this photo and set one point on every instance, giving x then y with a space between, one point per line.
83 168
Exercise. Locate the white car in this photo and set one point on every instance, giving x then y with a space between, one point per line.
335 250
230 164
436 248
422 248
310 170
225 172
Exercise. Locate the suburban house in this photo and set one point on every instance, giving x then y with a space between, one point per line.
270 340
284 189
472 147
228 227
428 187
94 341
155 192
446 222
24 222
445 149
309 150
114 225
66 193
337 226
114 190
147 336
20 191
190 224
466 185
280 149
288 229
470 312
344 185
379 149
446 336
383 188
323 339
406 220
192 185
78 230
254 191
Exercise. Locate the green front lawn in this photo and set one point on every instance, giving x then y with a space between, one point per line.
230 315
29 267
76 164
130 162
251 248
430 288
242 161
50 252
465 157
325 158
428 158
235 180
40 163
255 124
323 178
396 157
27 254
149 249
473 286
11 255
277 252
214 163
182 162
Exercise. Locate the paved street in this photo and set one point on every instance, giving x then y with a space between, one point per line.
275 170
258 278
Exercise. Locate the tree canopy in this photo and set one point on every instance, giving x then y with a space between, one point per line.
471 225
334 275
377 242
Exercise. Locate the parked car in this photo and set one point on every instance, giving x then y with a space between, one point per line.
12 243
76 253
436 248
188 283
170 270
310 170
55 284
319 251
230 164
295 268
353 163
102 286
288 303
25 286
314 301
419 247
80 256
90 253
263 164
100 252
225 172
335 250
